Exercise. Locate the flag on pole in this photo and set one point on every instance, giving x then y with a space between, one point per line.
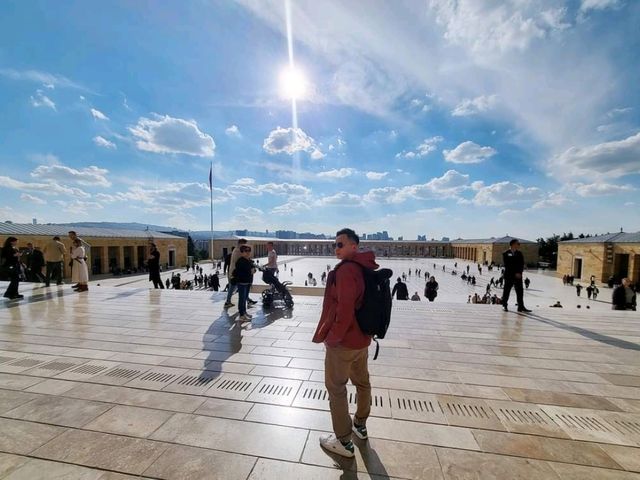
211 177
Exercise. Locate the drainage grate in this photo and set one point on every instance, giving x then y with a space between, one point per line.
26 362
465 410
157 377
312 395
626 427
583 422
376 400
527 417
123 373
57 366
411 404
422 407
237 387
89 369
193 382
275 391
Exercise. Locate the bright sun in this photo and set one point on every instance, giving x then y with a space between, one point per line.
293 83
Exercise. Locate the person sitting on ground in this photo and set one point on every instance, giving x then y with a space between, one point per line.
556 305
415 297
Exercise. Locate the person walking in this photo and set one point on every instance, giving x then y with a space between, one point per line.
153 263
54 251
243 276
346 346
79 273
10 261
513 262
400 290
431 289
272 259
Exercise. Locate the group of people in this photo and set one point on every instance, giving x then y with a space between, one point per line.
27 264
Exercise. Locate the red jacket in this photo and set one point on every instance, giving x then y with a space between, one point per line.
342 296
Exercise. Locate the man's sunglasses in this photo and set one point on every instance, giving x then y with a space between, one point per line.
338 245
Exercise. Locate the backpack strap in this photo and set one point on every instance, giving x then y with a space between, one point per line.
377 347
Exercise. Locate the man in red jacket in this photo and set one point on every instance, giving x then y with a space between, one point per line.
346 346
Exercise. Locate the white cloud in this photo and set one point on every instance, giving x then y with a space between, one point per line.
91 176
79 207
425 148
251 188
587 5
468 152
376 175
599 189
291 208
172 135
48 79
344 199
615 112
97 114
449 185
472 106
317 155
103 142
245 181
41 100
487 26
52 188
551 201
291 140
613 159
233 131
503 193
337 173
30 198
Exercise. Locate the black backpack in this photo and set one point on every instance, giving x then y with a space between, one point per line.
374 314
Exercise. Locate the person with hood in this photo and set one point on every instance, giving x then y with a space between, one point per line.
401 289
431 289
346 346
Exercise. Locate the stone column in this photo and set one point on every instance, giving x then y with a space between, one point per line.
134 260
121 257
104 262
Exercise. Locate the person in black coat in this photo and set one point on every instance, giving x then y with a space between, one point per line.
243 277
401 289
513 262
431 289
10 261
153 263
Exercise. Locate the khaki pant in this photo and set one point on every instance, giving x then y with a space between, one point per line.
340 365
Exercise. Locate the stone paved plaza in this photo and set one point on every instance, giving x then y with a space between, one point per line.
128 382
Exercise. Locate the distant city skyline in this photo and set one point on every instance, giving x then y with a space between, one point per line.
463 119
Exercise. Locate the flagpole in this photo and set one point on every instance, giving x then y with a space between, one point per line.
211 192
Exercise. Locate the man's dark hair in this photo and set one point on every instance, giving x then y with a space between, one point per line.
351 235
269 243
242 241
245 248
513 240
72 231
56 238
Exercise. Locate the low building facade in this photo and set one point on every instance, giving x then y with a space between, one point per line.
109 250
489 250
614 255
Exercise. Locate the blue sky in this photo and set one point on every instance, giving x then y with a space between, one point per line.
466 118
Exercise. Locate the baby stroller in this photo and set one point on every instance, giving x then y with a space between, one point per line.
277 290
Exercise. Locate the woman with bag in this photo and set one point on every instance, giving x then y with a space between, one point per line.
10 261
79 273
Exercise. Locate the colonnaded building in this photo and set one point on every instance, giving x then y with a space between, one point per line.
614 255
478 250
109 250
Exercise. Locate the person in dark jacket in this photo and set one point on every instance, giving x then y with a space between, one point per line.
346 346
10 261
431 289
243 277
624 298
400 288
153 263
513 262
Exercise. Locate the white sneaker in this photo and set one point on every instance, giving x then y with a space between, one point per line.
332 444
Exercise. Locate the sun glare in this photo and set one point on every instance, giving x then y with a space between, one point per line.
293 83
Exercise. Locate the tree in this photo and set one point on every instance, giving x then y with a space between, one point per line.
191 248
